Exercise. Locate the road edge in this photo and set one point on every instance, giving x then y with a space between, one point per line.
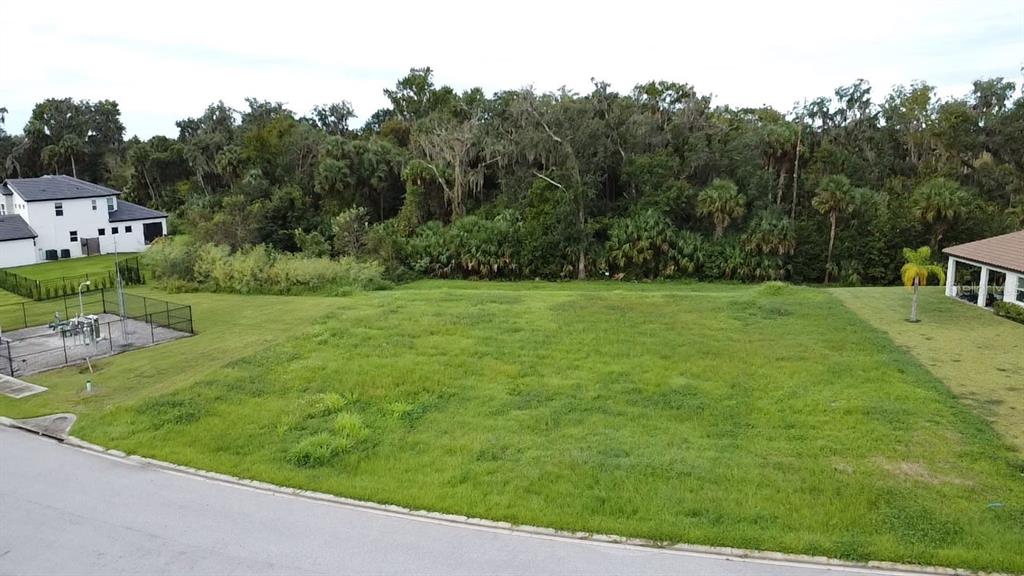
735 554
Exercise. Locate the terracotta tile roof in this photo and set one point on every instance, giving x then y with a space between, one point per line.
1006 251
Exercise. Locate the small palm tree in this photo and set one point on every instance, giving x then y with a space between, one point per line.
722 202
918 268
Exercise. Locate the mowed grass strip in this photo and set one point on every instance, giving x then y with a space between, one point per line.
100 264
980 356
759 417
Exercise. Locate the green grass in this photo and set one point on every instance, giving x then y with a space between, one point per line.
977 354
725 415
9 298
100 264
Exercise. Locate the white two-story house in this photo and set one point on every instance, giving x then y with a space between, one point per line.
57 217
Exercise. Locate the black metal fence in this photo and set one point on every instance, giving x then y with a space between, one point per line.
35 337
131 273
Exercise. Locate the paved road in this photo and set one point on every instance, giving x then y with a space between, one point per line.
64 510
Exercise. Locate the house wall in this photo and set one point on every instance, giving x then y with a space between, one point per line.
1013 290
55 231
17 252
133 241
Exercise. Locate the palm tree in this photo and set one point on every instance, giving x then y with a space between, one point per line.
939 202
722 202
918 268
68 147
832 198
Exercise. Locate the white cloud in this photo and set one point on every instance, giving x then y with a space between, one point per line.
168 62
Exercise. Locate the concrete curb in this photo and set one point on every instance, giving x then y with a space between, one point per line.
736 554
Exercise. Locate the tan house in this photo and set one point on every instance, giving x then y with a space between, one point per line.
1000 260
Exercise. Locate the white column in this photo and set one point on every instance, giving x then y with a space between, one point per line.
983 287
950 275
1010 288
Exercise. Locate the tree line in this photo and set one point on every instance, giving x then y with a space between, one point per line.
659 182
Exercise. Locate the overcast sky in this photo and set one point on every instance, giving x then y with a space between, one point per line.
169 61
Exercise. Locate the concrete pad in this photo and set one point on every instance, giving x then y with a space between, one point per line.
18 388
54 425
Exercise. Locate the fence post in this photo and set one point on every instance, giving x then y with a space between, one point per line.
64 345
152 333
10 359
167 307
110 337
103 295
66 314
24 316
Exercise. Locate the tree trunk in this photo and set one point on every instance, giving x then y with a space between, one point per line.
581 266
74 170
913 306
796 171
782 184
831 243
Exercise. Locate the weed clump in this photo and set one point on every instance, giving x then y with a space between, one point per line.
314 451
325 404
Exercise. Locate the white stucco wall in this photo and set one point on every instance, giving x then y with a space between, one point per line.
1010 289
17 253
133 241
55 231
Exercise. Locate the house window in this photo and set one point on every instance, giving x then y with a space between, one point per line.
3 209
127 229
102 232
1020 289
110 204
74 235
58 208
113 230
93 204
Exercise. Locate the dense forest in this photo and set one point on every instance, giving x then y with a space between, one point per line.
657 183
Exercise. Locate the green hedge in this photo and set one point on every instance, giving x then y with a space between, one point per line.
1013 312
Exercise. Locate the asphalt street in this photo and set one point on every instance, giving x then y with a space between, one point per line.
65 510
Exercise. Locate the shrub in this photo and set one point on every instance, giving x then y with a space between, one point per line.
261 270
350 232
647 245
1009 311
312 244
171 257
315 450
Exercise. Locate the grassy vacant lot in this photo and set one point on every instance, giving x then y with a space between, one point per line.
100 264
760 417
977 354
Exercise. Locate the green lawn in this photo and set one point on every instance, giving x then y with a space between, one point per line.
740 416
977 354
8 298
100 264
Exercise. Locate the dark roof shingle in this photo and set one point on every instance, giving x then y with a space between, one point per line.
1006 251
14 227
126 212
58 187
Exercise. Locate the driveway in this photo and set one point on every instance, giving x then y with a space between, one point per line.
64 510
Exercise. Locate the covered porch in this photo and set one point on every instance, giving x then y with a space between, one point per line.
987 271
